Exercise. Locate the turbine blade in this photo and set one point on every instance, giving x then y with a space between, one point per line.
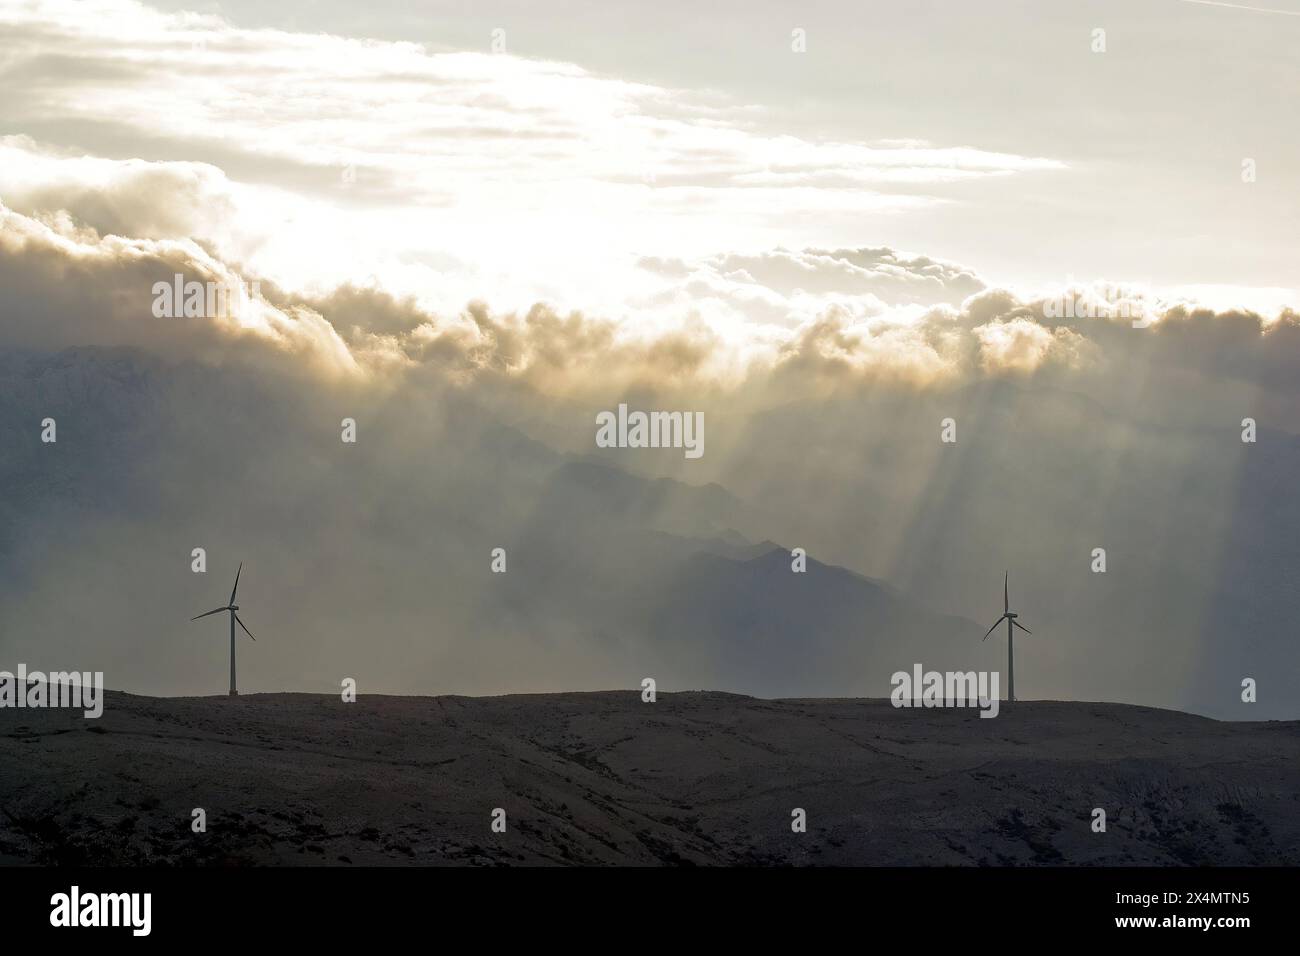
246 630
1022 627
206 613
1006 594
990 630
236 587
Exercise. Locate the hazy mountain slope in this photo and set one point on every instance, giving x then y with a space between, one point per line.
373 560
711 609
703 778
1202 537
822 631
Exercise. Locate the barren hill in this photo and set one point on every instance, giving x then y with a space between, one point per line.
601 778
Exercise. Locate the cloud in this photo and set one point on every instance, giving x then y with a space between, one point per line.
823 374
1087 430
67 285
130 198
884 273
1022 345
346 157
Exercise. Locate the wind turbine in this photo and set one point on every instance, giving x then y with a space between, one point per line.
1009 616
232 607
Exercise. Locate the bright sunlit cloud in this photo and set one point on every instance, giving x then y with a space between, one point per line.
444 175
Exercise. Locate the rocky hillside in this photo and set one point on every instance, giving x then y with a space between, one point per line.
602 778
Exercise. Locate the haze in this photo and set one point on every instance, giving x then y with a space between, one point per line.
472 243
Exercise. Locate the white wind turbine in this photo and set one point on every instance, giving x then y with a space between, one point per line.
1009 616
232 607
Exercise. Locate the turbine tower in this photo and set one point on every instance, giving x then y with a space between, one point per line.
1009 616
232 607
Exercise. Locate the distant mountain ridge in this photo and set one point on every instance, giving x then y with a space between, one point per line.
623 575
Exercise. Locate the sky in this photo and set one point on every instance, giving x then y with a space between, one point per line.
423 147
828 226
